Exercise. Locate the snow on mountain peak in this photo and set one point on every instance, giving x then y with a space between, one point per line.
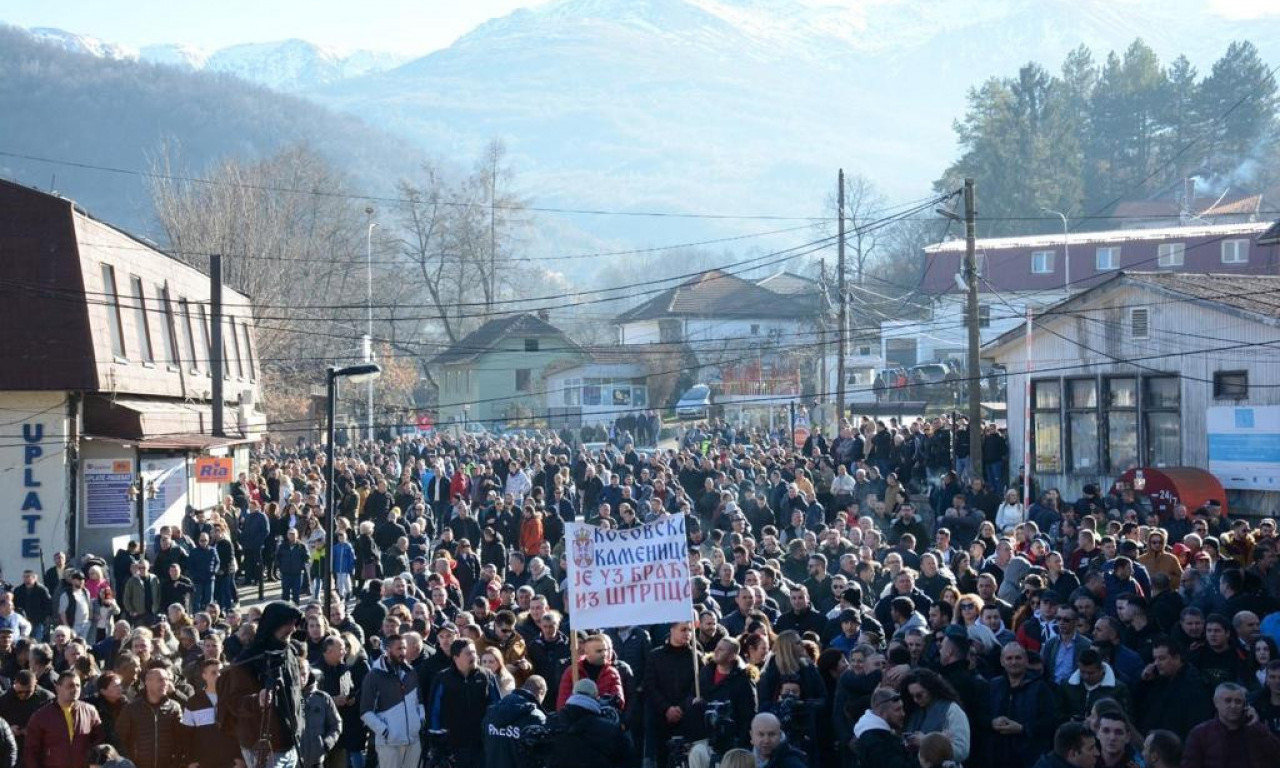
288 65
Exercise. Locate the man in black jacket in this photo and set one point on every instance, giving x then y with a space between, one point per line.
463 694
668 686
879 732
802 618
506 723
731 694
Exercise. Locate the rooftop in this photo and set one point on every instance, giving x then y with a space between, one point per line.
1104 236
482 339
716 293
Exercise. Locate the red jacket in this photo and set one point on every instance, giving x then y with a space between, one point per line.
608 683
1211 745
47 745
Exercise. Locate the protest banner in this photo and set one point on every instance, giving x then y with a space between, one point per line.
621 578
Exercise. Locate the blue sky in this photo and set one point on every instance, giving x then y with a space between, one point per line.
406 26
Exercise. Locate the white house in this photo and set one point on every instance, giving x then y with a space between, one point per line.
1155 370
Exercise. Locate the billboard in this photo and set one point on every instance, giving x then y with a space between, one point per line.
1244 446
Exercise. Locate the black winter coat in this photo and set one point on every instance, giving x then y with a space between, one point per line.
739 692
879 748
587 740
668 682
503 726
459 704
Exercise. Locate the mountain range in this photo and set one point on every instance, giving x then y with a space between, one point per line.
287 65
724 106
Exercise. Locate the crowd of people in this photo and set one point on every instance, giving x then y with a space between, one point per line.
851 609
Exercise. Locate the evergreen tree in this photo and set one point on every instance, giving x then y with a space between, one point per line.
1238 99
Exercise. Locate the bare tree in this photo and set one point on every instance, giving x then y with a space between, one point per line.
291 238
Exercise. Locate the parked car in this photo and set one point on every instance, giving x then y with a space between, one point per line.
929 373
695 403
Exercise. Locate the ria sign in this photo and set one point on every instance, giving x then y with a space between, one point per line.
213 469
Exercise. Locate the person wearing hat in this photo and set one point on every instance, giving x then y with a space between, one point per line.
1158 559
879 731
74 604
587 733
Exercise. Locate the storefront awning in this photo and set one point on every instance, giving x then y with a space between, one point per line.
166 424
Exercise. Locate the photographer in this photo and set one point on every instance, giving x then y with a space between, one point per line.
722 717
587 733
507 725
262 698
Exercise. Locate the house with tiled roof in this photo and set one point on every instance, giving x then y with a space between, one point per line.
496 373
1152 370
715 305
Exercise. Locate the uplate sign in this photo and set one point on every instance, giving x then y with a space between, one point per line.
213 469
33 479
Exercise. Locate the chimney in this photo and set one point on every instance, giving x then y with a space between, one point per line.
544 315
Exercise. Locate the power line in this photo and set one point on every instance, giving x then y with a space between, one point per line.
773 399
399 200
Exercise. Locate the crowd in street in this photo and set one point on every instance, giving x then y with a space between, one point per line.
865 600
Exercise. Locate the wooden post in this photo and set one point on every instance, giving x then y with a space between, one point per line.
573 655
693 646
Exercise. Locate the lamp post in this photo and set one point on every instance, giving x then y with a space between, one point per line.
356 373
1066 248
368 338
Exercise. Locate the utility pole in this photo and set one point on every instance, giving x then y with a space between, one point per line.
215 340
824 369
971 314
844 300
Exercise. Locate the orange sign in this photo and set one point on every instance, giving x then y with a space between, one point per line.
213 469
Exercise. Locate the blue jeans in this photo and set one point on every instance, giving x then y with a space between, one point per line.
224 591
286 759
995 476
203 595
290 586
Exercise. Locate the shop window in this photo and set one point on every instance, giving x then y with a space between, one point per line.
1082 424
1046 424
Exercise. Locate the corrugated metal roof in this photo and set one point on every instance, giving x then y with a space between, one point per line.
1251 293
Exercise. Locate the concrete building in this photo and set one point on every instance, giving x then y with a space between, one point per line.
107 378
1152 370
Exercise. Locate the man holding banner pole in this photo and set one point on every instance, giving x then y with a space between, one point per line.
621 578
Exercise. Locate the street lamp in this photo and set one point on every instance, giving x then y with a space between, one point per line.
1066 247
368 339
357 374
